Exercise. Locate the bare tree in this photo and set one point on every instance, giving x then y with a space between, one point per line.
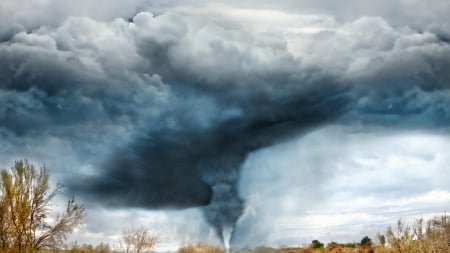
25 195
137 240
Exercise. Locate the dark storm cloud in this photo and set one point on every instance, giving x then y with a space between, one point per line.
198 97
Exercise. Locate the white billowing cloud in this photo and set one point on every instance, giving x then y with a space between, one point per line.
19 14
25 15
335 181
249 52
369 47
86 49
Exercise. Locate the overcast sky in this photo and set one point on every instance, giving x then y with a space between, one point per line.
281 121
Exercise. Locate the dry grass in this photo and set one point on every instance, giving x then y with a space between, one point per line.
199 248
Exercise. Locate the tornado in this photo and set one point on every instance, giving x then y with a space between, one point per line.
226 206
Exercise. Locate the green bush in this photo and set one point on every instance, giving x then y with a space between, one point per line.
316 244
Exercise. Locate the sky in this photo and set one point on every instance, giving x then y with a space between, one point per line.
263 122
